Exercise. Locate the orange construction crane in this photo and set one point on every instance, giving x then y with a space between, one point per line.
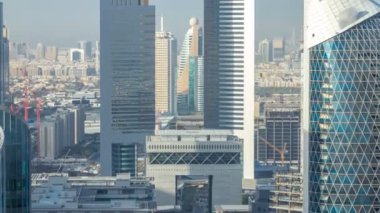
282 151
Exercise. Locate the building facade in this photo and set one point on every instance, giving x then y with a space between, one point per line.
127 77
215 153
4 59
166 74
229 72
341 118
15 157
280 132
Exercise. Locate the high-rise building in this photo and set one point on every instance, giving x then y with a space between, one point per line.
166 65
172 154
278 51
15 157
265 50
127 42
97 57
86 46
229 72
341 125
51 53
190 58
4 59
40 51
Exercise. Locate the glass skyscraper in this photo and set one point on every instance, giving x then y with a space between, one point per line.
343 106
127 60
14 165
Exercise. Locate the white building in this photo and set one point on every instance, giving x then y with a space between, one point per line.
174 153
77 55
58 193
127 32
229 53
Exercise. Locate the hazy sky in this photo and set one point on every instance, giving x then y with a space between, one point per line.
64 22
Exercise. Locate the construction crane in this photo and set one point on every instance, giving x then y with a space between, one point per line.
282 151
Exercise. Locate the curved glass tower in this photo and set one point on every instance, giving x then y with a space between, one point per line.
14 165
342 164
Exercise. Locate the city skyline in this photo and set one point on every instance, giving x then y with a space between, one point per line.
58 28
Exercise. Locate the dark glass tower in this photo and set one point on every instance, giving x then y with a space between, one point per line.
344 105
14 165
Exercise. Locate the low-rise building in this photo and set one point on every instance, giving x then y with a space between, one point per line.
53 193
173 154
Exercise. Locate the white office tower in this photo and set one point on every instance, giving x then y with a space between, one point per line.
97 57
173 154
166 75
127 42
229 53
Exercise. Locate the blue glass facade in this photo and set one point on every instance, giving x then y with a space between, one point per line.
15 165
344 148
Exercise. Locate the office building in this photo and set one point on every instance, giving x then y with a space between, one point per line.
190 61
5 68
278 50
77 55
166 74
97 57
229 72
40 51
86 46
79 128
127 79
51 53
59 193
172 154
278 138
4 59
265 51
341 106
15 157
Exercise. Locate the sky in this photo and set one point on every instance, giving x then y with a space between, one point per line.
64 22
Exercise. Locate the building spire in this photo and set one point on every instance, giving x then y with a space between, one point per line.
162 23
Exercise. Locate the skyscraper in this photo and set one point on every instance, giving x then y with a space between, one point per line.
127 42
341 106
86 46
14 164
229 72
278 51
40 51
4 58
265 50
166 65
191 55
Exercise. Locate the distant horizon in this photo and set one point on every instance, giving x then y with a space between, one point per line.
52 25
